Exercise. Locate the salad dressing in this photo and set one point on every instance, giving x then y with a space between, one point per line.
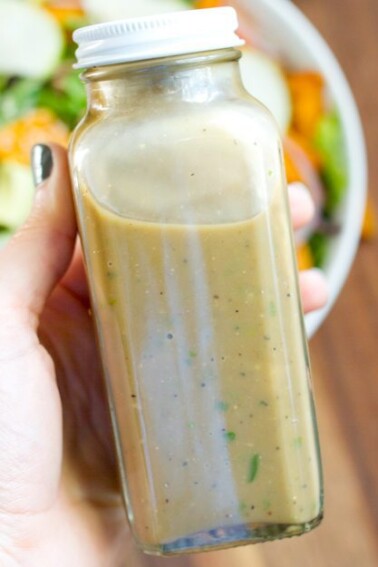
183 215
206 343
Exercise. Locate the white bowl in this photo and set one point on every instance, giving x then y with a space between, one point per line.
302 47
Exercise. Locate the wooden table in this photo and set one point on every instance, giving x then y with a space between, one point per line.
344 353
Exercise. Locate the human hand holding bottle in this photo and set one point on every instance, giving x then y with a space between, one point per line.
59 498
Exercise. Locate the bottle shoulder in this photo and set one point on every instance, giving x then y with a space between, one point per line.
224 160
243 120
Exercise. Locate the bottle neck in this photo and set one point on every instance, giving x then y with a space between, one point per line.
199 78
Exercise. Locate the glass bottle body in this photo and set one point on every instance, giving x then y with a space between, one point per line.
182 208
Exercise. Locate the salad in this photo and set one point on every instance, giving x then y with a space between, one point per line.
42 99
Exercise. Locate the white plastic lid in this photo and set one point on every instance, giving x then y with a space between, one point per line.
136 39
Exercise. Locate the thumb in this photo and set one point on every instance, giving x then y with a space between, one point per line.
39 253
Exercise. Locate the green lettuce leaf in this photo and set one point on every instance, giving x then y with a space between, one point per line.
329 142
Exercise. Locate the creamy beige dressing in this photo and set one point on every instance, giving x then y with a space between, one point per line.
202 343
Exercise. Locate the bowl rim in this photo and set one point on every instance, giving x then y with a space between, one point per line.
353 206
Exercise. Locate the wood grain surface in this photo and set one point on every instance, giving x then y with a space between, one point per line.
344 352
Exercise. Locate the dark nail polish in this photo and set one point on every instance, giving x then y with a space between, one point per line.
42 163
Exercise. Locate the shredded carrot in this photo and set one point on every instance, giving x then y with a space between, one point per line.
305 258
64 10
307 91
199 4
369 225
292 171
64 4
38 126
307 147
63 14
301 161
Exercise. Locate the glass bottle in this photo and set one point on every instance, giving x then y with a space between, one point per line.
182 208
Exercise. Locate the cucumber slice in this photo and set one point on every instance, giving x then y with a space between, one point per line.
16 194
263 78
101 11
31 41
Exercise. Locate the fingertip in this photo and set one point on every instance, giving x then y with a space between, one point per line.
314 289
53 187
301 204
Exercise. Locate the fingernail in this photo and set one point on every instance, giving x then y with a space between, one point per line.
42 163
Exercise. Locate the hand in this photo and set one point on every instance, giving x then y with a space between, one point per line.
59 497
